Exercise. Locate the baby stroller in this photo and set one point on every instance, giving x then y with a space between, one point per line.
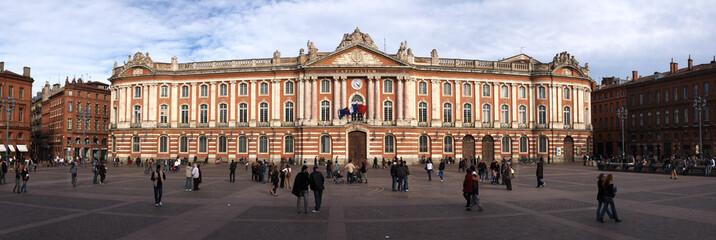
355 177
337 177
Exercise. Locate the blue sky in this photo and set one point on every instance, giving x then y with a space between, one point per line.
67 38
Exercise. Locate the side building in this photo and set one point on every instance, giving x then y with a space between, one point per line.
607 100
16 91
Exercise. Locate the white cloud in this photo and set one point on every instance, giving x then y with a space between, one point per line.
85 37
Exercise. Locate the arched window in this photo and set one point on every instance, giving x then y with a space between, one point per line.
223 89
104 141
184 113
263 88
388 110
243 112
137 92
506 147
163 112
202 144
447 112
325 86
288 144
388 86
423 144
184 91
447 89
183 144
137 114
567 93
223 113
325 110
486 90
567 115
422 88
163 144
505 113
222 144
522 92
542 114
325 144
486 113
542 144
288 112
243 89
263 144
447 144
204 90
288 88
203 113
242 144
467 90
422 112
504 91
467 112
135 144
263 112
389 144
523 114
164 91
523 144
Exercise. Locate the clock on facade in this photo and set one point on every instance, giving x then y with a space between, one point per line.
357 84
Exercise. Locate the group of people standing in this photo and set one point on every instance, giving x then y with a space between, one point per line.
399 172
22 175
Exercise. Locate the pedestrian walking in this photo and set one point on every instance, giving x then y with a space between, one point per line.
507 176
273 173
95 172
441 169
394 176
429 168
540 174
196 175
709 165
282 176
300 189
609 193
316 183
232 171
467 189
600 199
287 169
364 173
18 178
189 178
475 191
263 172
25 174
158 179
3 171
73 171
102 173
674 166
407 175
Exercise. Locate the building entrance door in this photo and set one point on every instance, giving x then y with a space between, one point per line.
468 147
357 146
488 149
569 149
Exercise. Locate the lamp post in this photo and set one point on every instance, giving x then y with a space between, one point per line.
8 105
83 116
699 105
622 113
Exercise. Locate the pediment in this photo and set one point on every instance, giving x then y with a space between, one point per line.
357 55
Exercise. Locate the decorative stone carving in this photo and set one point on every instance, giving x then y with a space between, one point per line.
564 58
357 37
276 57
312 51
357 57
402 55
138 60
434 56
302 58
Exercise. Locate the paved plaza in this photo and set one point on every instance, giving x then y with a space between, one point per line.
651 205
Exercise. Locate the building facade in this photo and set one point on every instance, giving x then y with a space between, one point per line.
75 119
607 99
17 88
284 107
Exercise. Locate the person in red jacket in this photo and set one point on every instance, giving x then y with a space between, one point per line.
467 187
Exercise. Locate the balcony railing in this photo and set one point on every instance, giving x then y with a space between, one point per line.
487 125
523 125
468 124
263 124
184 125
223 125
204 125
448 124
423 124
505 125
388 123
242 124
568 126
325 123
135 125
541 126
288 124
163 125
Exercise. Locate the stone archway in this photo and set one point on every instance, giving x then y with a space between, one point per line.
488 148
468 147
568 149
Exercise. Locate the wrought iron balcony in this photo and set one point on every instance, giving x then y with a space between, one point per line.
135 125
389 123
505 125
487 125
523 125
325 123
223 124
568 126
263 124
448 124
204 125
163 125
423 124
468 124
242 124
288 124
184 125
541 126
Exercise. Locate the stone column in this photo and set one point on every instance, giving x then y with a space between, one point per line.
121 109
560 98
307 99
314 100
299 99
276 104
212 103
515 117
399 100
252 104
370 99
192 95
496 104
575 107
410 104
336 99
478 106
174 108
376 102
552 105
344 100
435 106
145 105
458 94
532 107
232 103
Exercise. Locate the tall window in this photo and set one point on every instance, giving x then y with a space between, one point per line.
325 144
135 143
543 144
223 89
422 112
467 112
137 92
423 144
486 91
183 144
203 113
137 114
288 144
542 114
69 107
163 144
505 113
223 113
105 109
467 90
184 113
243 89
325 110
447 89
541 92
686 115
288 111
184 91
288 88
202 144
204 90
388 111
325 86
242 144
567 115
486 113
388 86
567 93
447 144
523 114
389 144
506 146
243 112
422 88
263 88
706 89
263 112
163 113
69 123
504 91
447 112
523 144
222 144
522 92
164 91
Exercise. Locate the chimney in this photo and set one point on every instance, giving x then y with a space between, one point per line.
691 63
26 71
2 66
671 66
634 75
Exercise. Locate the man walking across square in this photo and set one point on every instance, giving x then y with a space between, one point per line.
232 171
300 189
158 179
316 183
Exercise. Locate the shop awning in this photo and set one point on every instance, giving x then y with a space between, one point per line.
22 147
12 149
2 148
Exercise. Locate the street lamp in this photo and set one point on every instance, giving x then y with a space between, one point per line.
622 113
8 105
83 116
699 105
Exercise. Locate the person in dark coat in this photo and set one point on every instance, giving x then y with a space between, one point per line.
300 189
475 190
316 183
507 176
600 198
274 180
102 170
467 189
609 194
232 171
540 174
394 176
